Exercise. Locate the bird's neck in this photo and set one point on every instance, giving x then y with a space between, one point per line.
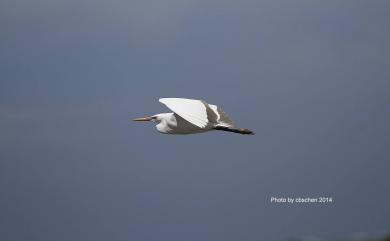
166 121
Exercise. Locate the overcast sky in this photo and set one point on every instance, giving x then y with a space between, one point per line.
311 78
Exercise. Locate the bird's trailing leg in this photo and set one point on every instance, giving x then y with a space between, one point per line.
229 129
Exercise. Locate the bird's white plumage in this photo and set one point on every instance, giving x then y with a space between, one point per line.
192 116
215 109
222 118
193 111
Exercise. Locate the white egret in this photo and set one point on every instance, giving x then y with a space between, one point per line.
192 116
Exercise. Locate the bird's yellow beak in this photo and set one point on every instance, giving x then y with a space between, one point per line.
147 118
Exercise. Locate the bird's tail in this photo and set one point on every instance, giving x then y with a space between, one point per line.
242 131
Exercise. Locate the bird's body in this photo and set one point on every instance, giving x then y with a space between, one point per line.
171 123
192 116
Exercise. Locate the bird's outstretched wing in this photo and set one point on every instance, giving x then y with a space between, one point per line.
193 111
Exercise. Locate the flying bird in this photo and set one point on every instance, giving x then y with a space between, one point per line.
192 116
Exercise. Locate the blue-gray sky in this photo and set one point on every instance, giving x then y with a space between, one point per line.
311 78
